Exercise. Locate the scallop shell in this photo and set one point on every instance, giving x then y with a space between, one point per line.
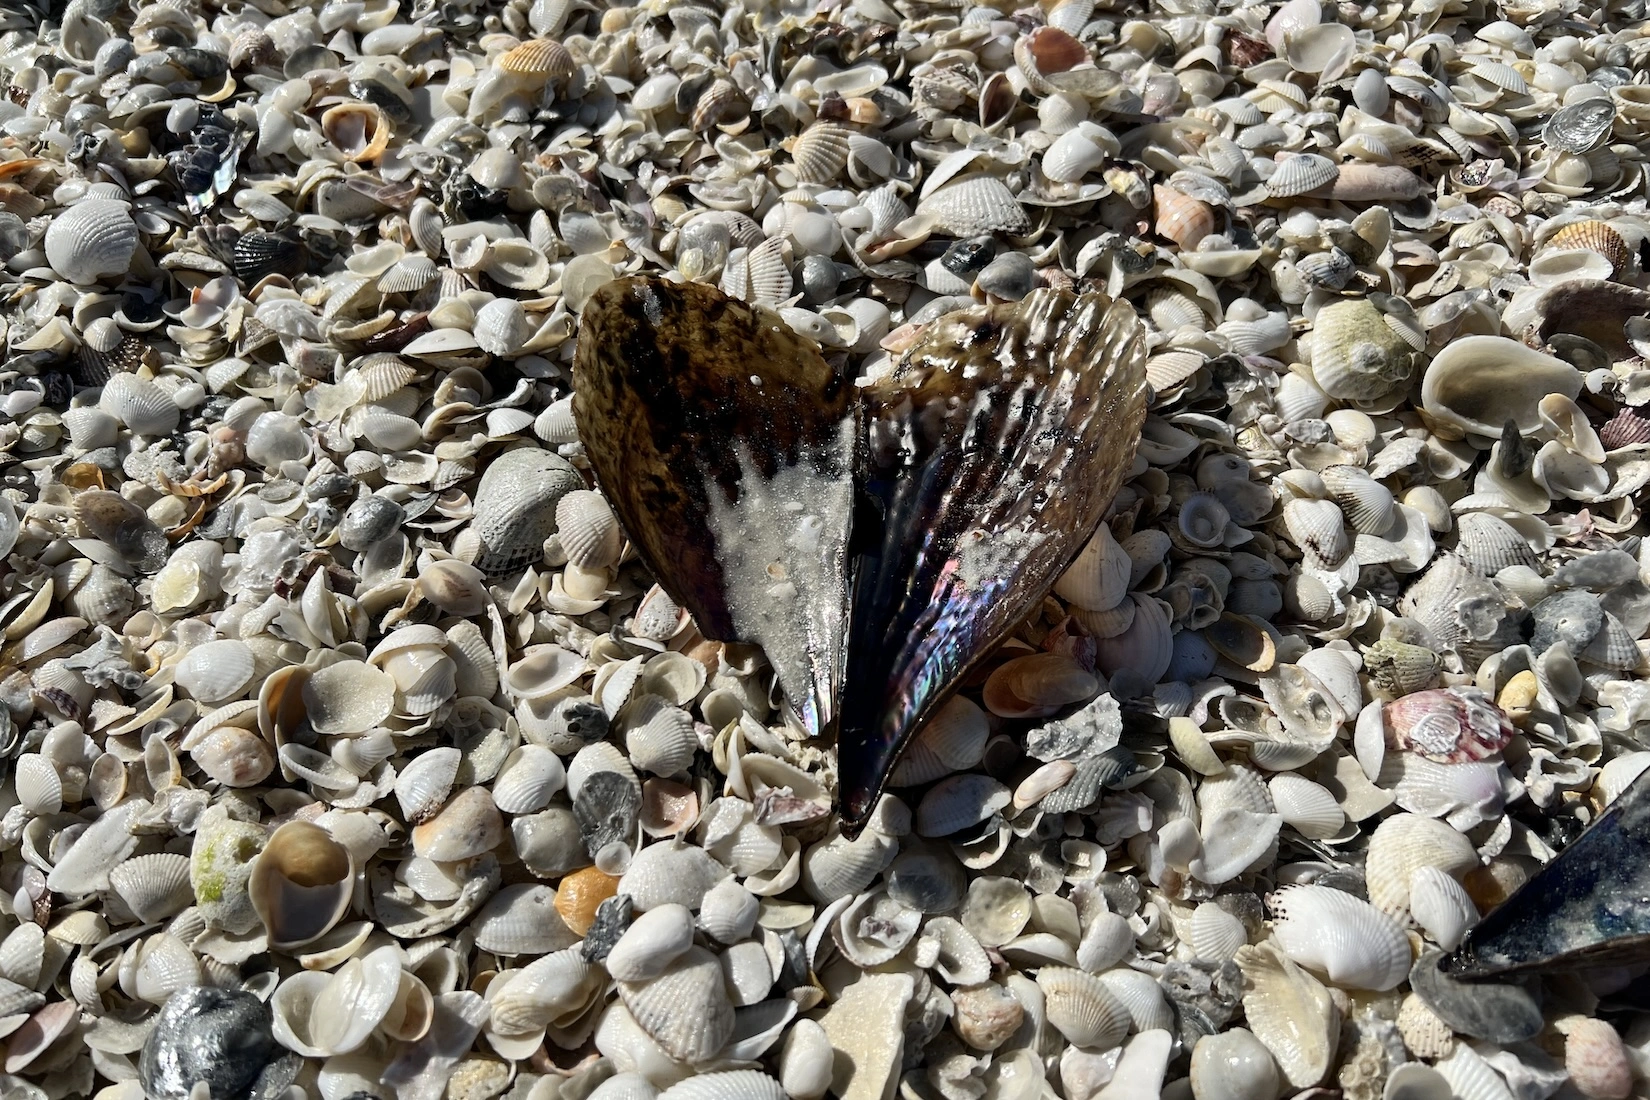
515 507
139 404
1345 937
685 1008
155 886
1491 544
543 58
1448 725
1301 173
588 530
1099 578
739 1084
1310 808
1290 1012
91 239
1440 904
1082 1009
1357 355
1214 934
501 328
821 151
1368 505
1075 154
1403 843
522 920
530 777
975 207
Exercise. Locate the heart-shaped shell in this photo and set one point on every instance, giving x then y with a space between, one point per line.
588 530
92 238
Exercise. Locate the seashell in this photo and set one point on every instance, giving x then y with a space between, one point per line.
91 239
154 887
874 928
588 530
1579 127
516 264
808 674
1490 544
1214 934
543 59
1082 1009
140 405
522 920
659 738
1098 579
1351 941
1299 174
1448 725
581 894
528 780
975 206
663 873
1317 527
1357 355
1037 685
38 786
1367 504
821 151
1290 1013
1075 154
423 783
301 884
1362 182
1181 218
501 328
1398 668
123 526
986 1016
1594 236
1106 941
319 1015
1440 905
466 827
739 1084
1479 383
257 256
1401 845
1596 1059
217 671
685 1007
1308 807
357 130
515 507
1233 1065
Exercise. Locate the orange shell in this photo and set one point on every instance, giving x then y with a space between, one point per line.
538 57
580 894
1595 236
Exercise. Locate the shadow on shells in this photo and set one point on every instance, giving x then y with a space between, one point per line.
890 538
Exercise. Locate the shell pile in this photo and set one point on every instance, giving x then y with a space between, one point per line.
350 751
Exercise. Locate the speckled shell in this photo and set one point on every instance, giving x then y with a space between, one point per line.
1448 725
515 507
91 239
1357 355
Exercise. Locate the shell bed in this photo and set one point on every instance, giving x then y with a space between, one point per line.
351 752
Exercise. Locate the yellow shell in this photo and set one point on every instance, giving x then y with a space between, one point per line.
544 57
580 894
358 130
1595 236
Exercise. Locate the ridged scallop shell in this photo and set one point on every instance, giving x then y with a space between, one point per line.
1448 725
685 1008
821 152
1403 843
1310 808
951 741
588 529
423 783
91 239
539 57
515 507
501 327
139 404
1367 504
38 786
1300 173
975 207
659 737
528 780
1099 578
1399 668
738 1084
1340 935
1290 1012
1074 154
522 920
1491 544
1214 934
1081 1008
1317 527
1440 904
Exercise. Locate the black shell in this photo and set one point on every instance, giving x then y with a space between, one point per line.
260 255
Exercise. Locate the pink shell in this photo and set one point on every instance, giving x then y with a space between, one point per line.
1448 725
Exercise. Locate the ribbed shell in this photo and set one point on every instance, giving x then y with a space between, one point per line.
588 529
1290 1012
739 1084
515 506
139 404
686 1008
821 151
976 206
1403 843
522 920
659 737
540 57
952 741
1595 236
1490 544
530 777
1301 173
91 239
155 886
1343 936
1214 934
1081 1007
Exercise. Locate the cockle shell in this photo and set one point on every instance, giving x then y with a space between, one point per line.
1357 355
1290 1012
588 530
91 239
139 404
1401 845
1345 937
685 1007
975 207
1082 1009
515 507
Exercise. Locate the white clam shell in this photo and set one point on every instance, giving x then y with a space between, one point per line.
93 238
1480 382
139 404
1081 1008
422 784
155 886
217 671
685 1007
522 920
529 779
1290 1012
1441 906
1343 936
656 939
318 1014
